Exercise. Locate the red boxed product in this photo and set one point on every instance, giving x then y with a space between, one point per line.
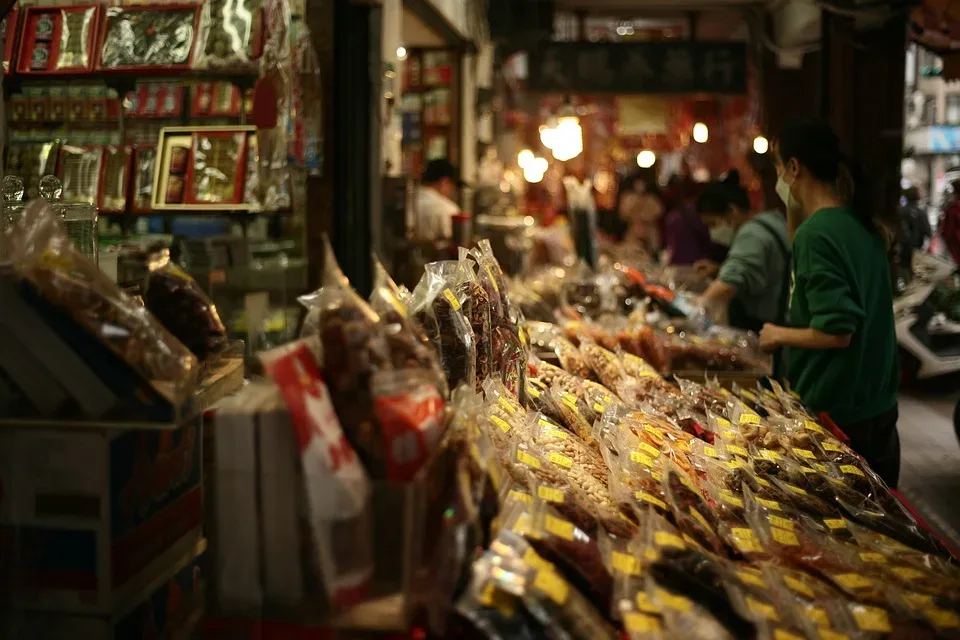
56 40
147 37
216 167
215 99
157 100
9 27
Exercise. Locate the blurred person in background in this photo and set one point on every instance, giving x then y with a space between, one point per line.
914 229
435 204
841 343
751 284
686 237
640 207
950 224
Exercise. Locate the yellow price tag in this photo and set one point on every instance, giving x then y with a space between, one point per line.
943 619
670 601
452 299
873 558
723 423
749 577
533 391
710 451
769 504
625 563
813 426
649 449
740 451
795 489
555 587
500 422
729 498
798 586
667 539
762 609
805 453
849 468
639 623
785 537
558 527
507 406
599 408
552 431
560 460
832 446
527 459
852 581
749 418
872 618
699 518
652 499
768 454
636 456
533 559
551 494
908 573
781 522
835 523
520 495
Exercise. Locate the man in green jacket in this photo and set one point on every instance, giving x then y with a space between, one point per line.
842 355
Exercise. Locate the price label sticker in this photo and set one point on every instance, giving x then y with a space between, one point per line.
852 581
729 498
558 527
813 426
710 451
781 634
779 521
723 423
533 391
835 523
873 558
599 408
769 504
654 431
805 453
520 495
750 577
667 539
501 423
699 518
452 299
555 587
636 456
649 449
872 618
749 418
552 431
507 406
943 618
768 454
852 470
740 451
819 617
785 537
560 460
639 623
533 559
742 533
625 563
798 586
527 459
762 609
671 601
733 465
908 573
493 281
645 604
822 468
651 499
570 400
832 446
551 494
763 482
795 489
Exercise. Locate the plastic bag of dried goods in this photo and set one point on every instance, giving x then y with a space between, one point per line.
690 510
406 340
575 414
41 252
335 484
510 359
436 306
476 308
353 348
492 612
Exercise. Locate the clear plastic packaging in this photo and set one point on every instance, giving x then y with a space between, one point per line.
604 364
408 345
352 349
476 307
510 359
229 35
183 307
42 254
437 307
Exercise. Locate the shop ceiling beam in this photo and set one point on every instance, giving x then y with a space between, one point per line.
431 17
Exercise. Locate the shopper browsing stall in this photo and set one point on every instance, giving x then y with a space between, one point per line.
435 206
751 284
841 343
640 206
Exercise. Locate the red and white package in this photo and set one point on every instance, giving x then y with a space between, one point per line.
337 489
412 416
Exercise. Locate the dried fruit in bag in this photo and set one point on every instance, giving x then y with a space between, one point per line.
183 307
571 359
476 308
604 364
437 308
352 349
408 345
510 359
42 254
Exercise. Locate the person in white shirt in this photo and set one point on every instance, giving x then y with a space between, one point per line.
434 206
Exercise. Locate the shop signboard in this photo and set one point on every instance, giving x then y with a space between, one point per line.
933 139
639 68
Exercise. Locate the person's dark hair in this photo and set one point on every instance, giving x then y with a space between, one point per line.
815 145
911 195
647 176
716 197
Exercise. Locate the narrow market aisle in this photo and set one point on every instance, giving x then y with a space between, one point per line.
930 454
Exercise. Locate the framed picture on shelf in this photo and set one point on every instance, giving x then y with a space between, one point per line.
58 40
148 37
115 185
9 28
80 170
201 168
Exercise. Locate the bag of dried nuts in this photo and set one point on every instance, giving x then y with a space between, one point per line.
353 348
408 344
476 307
438 307
604 364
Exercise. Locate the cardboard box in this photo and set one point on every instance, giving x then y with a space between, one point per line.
83 512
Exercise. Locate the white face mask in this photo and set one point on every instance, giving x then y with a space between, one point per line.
722 234
784 191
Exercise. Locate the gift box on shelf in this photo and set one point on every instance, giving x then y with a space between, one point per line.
80 169
114 187
58 40
9 26
146 38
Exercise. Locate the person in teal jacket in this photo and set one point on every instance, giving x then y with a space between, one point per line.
841 344
752 283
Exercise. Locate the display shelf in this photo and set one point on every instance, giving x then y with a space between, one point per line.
196 211
220 381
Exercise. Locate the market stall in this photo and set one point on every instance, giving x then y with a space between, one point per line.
483 456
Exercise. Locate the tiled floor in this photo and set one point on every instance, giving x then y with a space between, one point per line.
930 462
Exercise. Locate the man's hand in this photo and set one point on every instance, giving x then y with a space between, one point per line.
706 268
770 337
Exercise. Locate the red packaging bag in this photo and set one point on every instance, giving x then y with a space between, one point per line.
337 489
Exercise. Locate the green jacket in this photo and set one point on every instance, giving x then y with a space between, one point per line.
756 265
841 285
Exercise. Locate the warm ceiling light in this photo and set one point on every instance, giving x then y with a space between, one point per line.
760 144
524 158
646 159
401 53
539 165
700 133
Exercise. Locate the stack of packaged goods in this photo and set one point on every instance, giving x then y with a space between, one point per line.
583 494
